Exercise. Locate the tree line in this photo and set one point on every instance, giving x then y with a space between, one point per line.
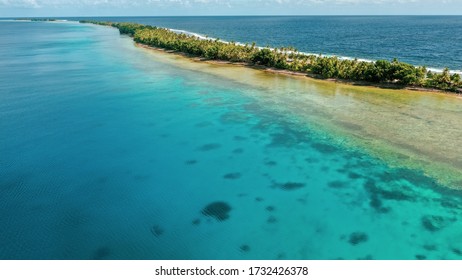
379 72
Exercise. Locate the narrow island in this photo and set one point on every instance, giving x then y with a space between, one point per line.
37 19
382 73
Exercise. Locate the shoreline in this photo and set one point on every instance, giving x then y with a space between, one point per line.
387 130
374 137
301 74
392 74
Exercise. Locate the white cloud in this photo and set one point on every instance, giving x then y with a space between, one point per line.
119 3
20 3
224 7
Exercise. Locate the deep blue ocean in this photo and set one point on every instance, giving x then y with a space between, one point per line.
432 41
108 153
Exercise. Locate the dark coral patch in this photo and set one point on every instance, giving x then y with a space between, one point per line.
234 117
244 248
324 148
232 176
157 230
387 177
376 203
451 203
390 194
271 220
395 195
270 163
420 257
239 138
238 151
337 184
357 238
430 247
282 139
290 186
190 162
359 163
366 258
203 124
311 160
457 251
270 208
218 210
196 222
209 147
287 136
434 223
353 175
281 256
416 178
302 200
102 253
412 176
259 199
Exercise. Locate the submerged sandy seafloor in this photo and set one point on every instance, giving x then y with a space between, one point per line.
417 129
415 134
115 152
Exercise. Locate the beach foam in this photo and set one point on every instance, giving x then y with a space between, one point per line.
205 37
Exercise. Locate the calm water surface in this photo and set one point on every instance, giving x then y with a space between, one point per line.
109 153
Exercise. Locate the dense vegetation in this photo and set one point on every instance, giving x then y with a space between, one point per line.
380 72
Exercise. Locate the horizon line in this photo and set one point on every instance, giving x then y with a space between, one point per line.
237 15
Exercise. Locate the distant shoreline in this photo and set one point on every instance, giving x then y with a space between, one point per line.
296 73
288 61
381 73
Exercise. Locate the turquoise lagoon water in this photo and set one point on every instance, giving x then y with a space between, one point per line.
107 153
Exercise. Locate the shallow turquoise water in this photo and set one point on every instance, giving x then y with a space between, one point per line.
108 154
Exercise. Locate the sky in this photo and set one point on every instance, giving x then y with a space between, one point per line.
30 8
